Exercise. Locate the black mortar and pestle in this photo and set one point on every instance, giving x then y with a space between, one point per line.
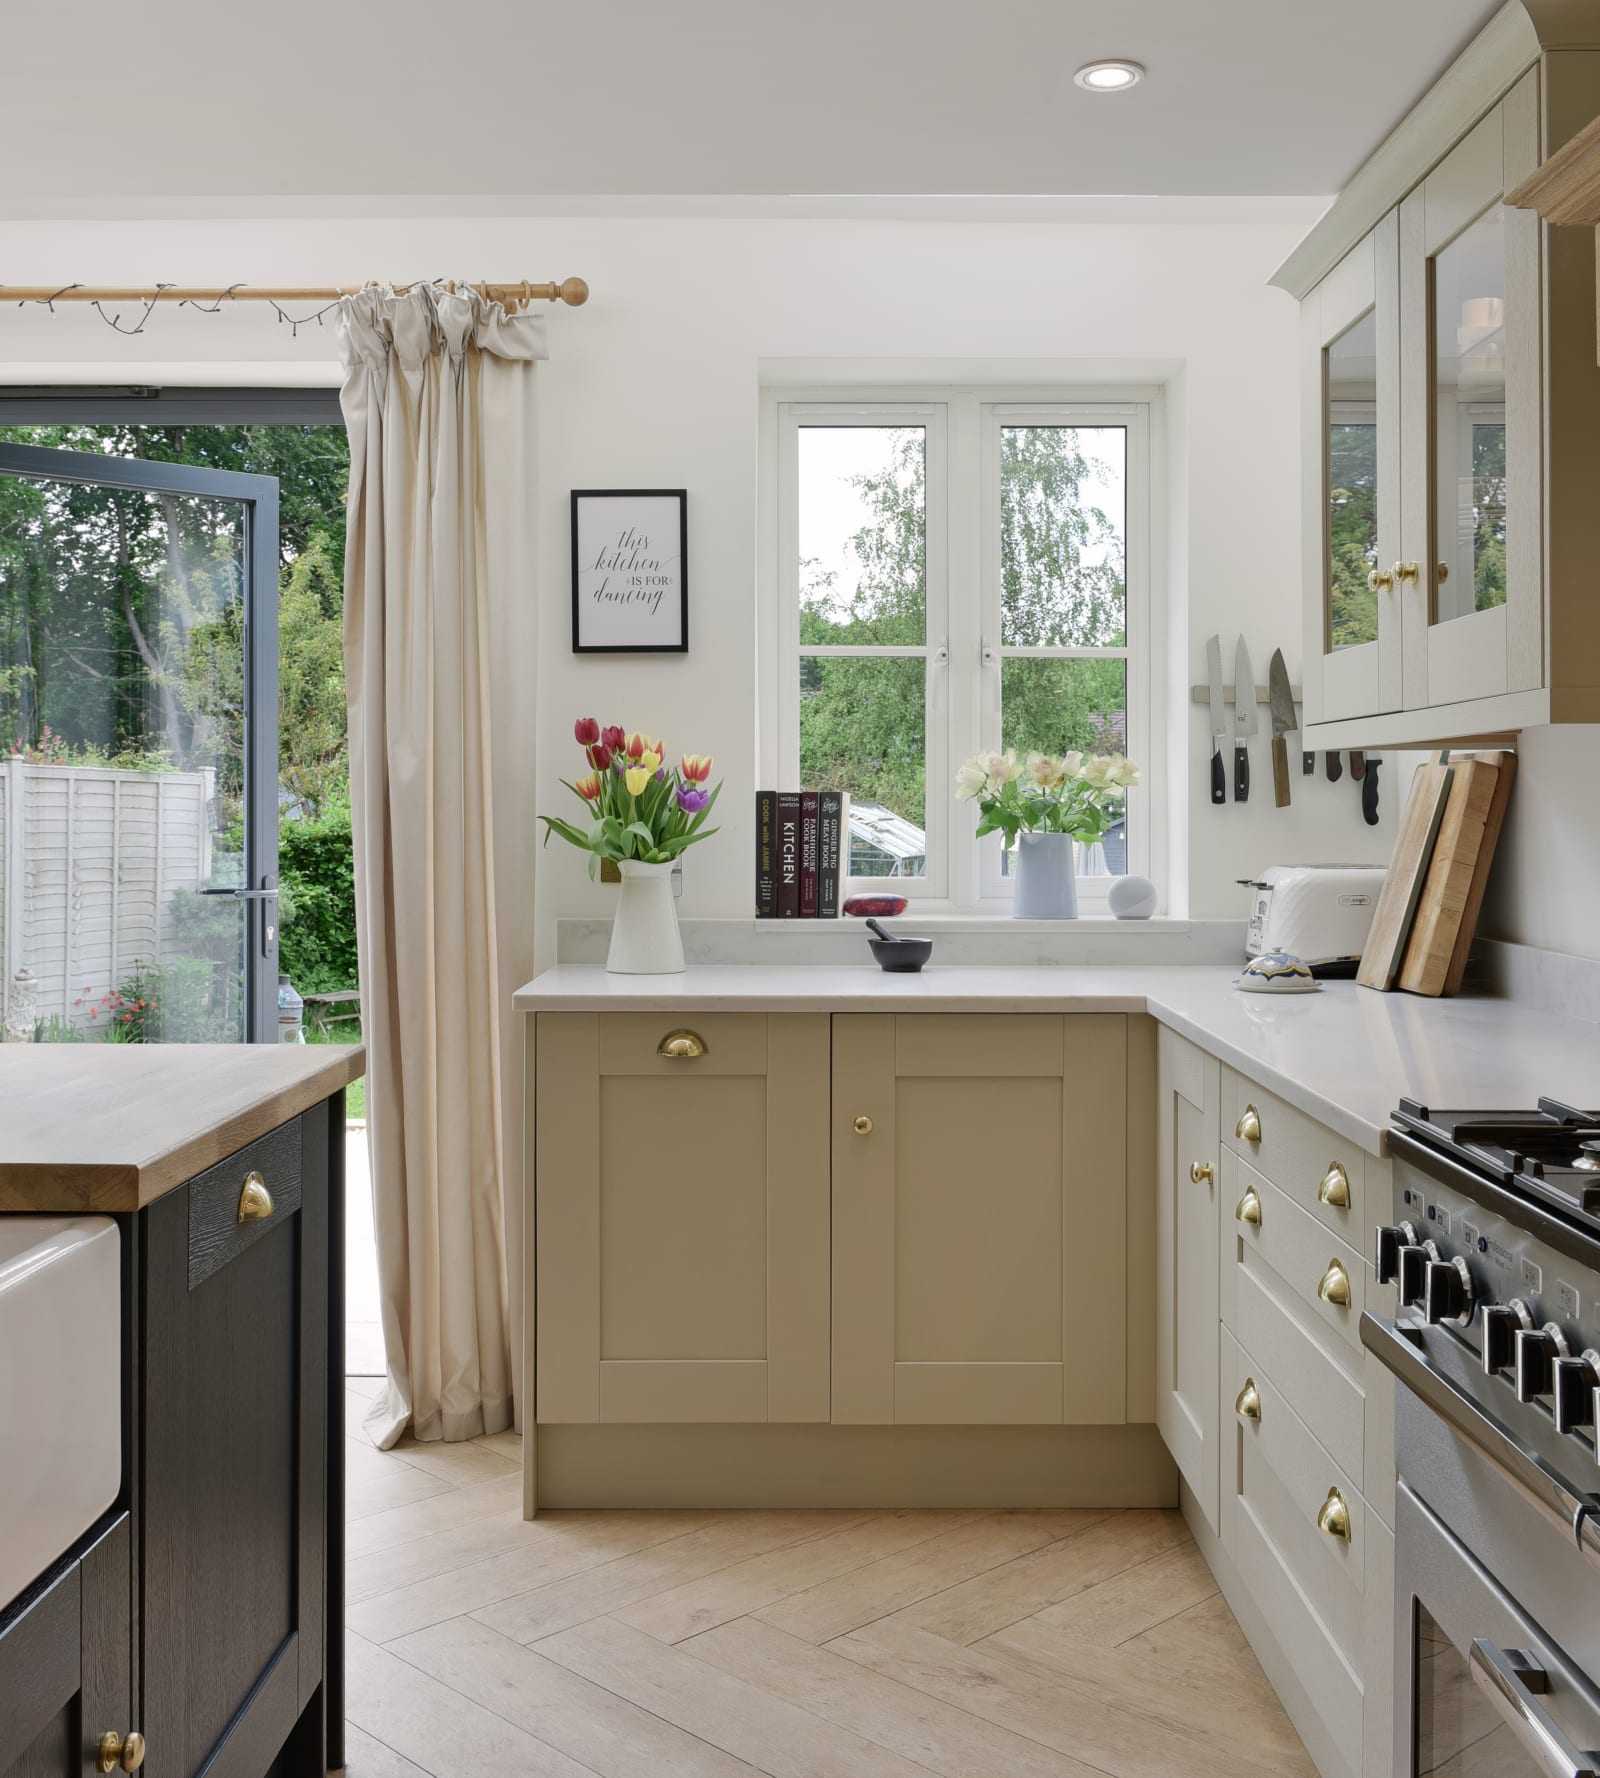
898 955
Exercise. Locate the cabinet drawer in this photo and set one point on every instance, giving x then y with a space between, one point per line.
1311 1374
633 1043
216 1235
1298 1248
1298 1155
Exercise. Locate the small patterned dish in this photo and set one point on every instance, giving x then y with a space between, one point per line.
1277 973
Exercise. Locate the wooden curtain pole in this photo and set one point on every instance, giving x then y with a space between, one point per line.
572 291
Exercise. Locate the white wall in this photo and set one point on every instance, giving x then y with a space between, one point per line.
655 384
1545 886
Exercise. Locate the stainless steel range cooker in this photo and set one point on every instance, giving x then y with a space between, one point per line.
1495 1253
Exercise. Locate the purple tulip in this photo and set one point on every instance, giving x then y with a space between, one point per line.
692 799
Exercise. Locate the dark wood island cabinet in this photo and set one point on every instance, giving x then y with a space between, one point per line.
198 1627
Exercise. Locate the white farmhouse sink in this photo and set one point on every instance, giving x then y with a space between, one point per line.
60 1404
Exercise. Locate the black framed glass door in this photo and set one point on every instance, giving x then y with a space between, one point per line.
138 749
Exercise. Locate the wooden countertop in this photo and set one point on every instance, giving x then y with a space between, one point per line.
110 1127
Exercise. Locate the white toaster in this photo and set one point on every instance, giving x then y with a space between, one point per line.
1320 913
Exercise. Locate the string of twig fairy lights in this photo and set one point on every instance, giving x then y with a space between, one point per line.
107 301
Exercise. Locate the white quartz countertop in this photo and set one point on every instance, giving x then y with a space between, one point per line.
1344 1055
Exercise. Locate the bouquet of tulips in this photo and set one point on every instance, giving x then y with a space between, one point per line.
1073 794
638 807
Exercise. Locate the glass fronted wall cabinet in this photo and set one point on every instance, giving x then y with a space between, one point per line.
1451 407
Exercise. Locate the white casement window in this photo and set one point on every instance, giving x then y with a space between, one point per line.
957 572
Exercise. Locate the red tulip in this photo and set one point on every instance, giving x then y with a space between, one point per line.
636 746
587 731
695 767
589 788
600 756
613 738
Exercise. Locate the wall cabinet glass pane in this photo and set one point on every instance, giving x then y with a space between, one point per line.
1469 417
1352 483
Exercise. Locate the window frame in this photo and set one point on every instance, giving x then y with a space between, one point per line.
962 644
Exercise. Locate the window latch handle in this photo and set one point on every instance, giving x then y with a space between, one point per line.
990 655
941 655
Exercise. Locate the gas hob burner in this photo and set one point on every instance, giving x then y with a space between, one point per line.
1551 1153
1588 1160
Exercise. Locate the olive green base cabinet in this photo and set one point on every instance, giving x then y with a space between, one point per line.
882 1236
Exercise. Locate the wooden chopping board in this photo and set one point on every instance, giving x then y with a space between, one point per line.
1452 870
1402 886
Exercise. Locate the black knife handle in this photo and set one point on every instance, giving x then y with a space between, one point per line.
1241 773
1369 792
1335 769
1219 777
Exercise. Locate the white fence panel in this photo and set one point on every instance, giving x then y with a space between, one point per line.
90 859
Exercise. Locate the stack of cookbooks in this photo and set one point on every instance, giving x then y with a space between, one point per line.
802 853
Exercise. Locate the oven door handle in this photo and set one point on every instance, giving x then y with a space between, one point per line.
1509 1679
1397 1347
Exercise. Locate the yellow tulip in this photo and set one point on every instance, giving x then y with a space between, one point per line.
636 777
651 761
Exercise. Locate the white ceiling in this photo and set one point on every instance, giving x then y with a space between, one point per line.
105 101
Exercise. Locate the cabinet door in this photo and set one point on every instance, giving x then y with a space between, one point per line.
1350 356
682 1217
1188 1264
979 1219
66 1673
233 1461
1472 545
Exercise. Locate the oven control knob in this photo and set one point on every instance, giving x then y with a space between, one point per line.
1413 1270
1447 1292
1386 1257
1501 1323
1537 1349
1575 1381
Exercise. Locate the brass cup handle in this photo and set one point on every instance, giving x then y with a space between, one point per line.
1381 580
1334 1285
255 1205
126 1751
1335 1187
1247 1404
862 1126
1333 1516
1200 1172
1408 572
1248 1128
681 1046
1248 1209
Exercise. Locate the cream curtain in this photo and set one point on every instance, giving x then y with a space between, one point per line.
438 398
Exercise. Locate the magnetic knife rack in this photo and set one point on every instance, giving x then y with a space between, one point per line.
1201 694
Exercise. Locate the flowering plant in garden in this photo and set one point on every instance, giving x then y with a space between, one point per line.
639 807
1073 794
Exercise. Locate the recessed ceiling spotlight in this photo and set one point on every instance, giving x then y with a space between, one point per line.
1109 76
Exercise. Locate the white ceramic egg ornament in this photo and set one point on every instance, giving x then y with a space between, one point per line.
1132 898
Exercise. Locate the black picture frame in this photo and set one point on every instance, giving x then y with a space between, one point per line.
624 644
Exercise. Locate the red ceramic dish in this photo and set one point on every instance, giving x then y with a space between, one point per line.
878 907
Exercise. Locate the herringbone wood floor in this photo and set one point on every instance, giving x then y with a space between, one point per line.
797 1644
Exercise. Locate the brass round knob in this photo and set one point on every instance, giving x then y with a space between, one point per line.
1335 1187
862 1126
1441 572
1200 1172
255 1205
1409 572
1334 1285
1333 1516
1247 1404
1248 1209
1381 580
681 1046
126 1751
1248 1128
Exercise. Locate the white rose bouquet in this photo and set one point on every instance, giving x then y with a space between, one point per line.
1072 794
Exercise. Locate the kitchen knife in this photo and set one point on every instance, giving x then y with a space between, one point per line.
1219 719
1245 721
1283 719
1335 770
1369 790
1358 766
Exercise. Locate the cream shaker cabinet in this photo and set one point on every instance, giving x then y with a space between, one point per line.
1450 402
980 1203
1188 1186
681 1204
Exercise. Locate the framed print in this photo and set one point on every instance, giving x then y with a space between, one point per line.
630 588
